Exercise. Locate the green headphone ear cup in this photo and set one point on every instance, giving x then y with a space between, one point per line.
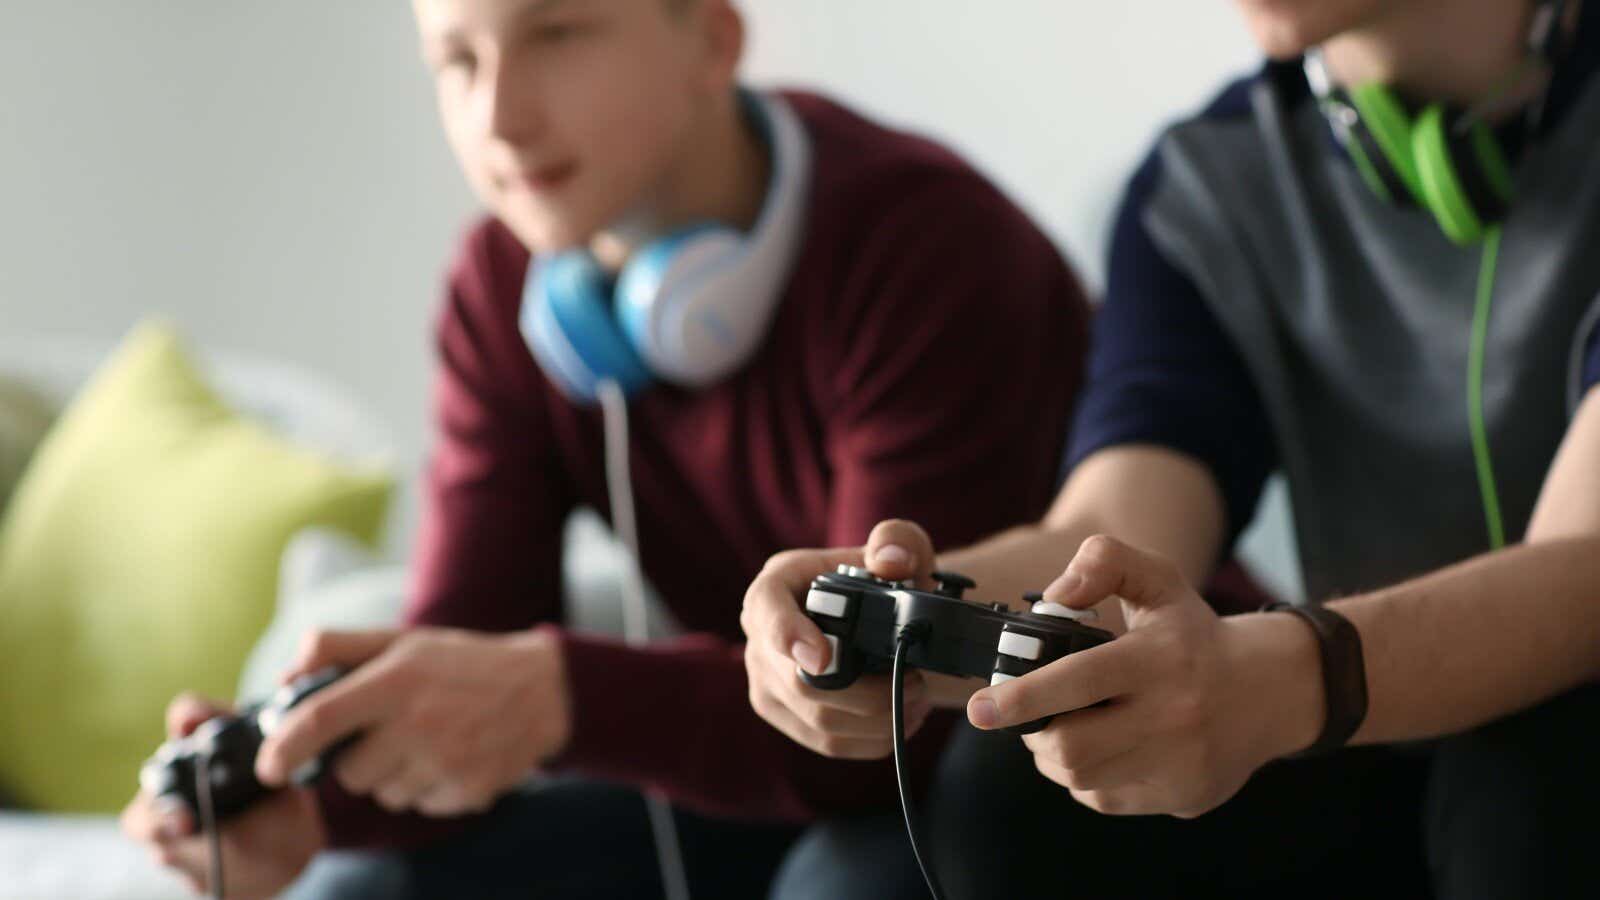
1442 192
1385 118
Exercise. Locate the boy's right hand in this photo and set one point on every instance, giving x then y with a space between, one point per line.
263 849
853 723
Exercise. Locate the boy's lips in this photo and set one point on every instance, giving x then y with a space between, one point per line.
546 178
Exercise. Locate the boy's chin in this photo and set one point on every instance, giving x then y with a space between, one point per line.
547 236
1280 40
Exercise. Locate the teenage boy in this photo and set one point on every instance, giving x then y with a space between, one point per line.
1371 266
878 333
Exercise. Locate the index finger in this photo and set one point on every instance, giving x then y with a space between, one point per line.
321 720
1072 682
773 606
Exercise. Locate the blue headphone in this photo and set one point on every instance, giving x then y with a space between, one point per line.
690 307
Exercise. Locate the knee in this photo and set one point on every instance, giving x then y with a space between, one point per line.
1510 803
348 875
841 859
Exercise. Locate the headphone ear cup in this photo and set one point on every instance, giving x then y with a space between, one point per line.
1382 148
670 298
569 325
1443 192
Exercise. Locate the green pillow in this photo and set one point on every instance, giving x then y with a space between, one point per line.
25 416
138 558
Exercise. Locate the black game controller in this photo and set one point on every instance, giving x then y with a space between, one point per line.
227 745
862 616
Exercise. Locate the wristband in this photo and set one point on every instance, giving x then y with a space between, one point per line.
1344 673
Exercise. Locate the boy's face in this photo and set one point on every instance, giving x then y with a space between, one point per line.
569 115
1286 28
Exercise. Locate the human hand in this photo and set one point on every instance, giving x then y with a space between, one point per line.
1193 703
264 848
447 720
853 723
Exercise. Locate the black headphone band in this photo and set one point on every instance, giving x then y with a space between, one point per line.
1473 176
1357 130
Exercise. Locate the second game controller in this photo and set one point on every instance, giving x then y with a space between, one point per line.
226 746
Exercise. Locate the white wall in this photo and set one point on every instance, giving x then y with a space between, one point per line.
270 175
1056 100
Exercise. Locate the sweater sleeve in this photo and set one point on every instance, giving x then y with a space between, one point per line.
947 403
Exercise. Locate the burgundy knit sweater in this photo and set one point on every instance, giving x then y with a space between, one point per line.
921 364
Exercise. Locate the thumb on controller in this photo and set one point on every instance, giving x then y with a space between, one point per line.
899 549
189 710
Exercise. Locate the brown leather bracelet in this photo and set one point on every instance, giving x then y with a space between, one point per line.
1344 673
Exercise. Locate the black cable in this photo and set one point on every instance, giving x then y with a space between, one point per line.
208 823
908 635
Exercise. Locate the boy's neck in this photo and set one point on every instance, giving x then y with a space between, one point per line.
1452 51
722 177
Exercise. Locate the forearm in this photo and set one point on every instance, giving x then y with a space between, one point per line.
1152 498
1479 640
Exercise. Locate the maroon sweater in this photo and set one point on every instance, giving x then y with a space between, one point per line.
922 364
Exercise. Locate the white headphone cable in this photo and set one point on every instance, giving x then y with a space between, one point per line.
635 625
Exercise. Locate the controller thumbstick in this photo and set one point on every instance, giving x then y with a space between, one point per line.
952 584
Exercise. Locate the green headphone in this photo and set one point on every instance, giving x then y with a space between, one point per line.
1445 160
1464 181
1448 162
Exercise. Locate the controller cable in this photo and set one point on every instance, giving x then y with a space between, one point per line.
635 625
208 823
910 634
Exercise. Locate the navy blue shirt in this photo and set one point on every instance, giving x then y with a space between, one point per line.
1162 370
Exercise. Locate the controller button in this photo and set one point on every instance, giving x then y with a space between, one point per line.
999 678
827 603
1021 646
833 658
856 572
1045 608
952 584
269 719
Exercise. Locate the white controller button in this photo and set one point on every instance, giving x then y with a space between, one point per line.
1045 608
269 719
1021 646
833 658
827 603
999 678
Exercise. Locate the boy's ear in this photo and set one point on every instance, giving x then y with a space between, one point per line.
724 37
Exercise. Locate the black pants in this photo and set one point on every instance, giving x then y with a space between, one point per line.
568 838
1511 810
